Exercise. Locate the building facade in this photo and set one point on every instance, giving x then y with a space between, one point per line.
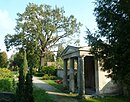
88 79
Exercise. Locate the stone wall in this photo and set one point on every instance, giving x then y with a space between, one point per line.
107 85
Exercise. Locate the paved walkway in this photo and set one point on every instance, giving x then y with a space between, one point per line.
53 92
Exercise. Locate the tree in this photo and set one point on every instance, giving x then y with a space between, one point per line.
49 57
111 43
20 90
60 50
29 88
41 28
3 59
24 87
17 59
59 61
36 59
25 65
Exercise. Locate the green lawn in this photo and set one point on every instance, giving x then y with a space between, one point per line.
53 83
106 99
41 96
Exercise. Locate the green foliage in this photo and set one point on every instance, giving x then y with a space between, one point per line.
41 95
38 74
20 91
17 59
49 70
56 85
6 85
5 73
6 80
111 43
29 88
36 59
34 70
60 50
49 57
48 77
39 29
24 86
3 59
25 65
106 99
59 63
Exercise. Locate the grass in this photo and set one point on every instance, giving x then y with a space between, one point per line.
41 96
53 83
106 99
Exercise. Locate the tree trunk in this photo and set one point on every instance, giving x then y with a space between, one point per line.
42 60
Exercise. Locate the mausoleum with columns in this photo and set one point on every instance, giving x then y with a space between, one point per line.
88 78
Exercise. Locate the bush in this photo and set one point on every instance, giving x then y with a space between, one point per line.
6 84
49 70
47 77
5 73
34 70
39 74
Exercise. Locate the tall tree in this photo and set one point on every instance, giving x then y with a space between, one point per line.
60 50
40 27
24 87
3 59
111 43
49 57
25 64
17 59
20 90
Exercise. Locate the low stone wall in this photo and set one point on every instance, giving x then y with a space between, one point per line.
7 96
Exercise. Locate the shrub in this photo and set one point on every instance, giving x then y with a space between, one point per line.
34 70
5 73
6 84
47 77
39 74
6 80
50 70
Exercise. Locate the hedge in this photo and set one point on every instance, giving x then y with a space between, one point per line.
5 73
7 83
49 70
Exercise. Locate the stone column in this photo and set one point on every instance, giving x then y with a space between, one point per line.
65 73
81 76
78 74
96 77
71 83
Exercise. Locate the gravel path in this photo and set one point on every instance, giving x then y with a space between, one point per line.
53 92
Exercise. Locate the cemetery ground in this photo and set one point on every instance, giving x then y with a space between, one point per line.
50 91
57 93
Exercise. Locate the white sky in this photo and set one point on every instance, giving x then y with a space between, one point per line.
81 9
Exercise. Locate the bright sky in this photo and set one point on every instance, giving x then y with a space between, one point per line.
81 9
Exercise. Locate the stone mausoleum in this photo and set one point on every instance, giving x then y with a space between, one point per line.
88 77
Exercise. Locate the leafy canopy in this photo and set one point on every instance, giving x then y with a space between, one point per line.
111 43
41 27
3 59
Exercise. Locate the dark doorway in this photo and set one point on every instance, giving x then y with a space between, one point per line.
89 69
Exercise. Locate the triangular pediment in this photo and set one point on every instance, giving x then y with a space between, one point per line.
69 49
